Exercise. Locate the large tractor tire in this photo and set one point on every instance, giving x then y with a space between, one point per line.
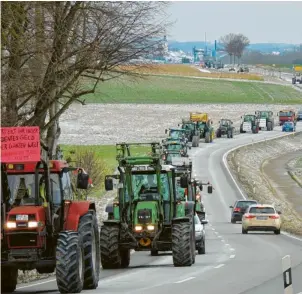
89 232
195 141
9 277
125 257
218 133
232 133
207 137
109 243
182 244
70 265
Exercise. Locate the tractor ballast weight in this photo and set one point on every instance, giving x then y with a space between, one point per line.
204 125
266 120
147 216
44 228
225 128
249 123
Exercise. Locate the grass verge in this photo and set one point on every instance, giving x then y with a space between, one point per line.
184 90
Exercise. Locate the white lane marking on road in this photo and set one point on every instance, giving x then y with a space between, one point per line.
222 240
232 256
224 160
213 229
216 233
227 244
219 237
37 284
219 266
232 249
185 280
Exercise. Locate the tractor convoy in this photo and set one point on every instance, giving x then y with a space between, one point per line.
47 227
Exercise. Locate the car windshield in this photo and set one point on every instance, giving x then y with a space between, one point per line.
22 187
249 118
142 183
289 124
262 210
197 220
244 204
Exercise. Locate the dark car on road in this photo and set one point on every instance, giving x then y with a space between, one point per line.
299 115
239 208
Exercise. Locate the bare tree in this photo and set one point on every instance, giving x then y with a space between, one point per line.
234 45
53 53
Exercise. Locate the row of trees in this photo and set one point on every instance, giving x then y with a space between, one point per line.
234 45
53 53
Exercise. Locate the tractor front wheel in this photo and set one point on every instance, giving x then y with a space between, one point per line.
70 265
109 243
9 278
89 232
182 244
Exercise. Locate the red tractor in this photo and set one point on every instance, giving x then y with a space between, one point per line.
44 228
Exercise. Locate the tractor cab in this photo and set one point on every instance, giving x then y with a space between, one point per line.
286 115
177 134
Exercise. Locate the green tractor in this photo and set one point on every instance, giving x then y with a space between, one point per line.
266 120
225 128
192 132
173 149
147 215
204 125
250 123
177 134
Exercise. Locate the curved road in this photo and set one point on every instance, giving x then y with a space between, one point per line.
234 263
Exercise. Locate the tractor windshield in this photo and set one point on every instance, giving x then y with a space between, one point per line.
249 118
175 134
147 184
264 114
190 127
281 113
22 188
174 147
224 122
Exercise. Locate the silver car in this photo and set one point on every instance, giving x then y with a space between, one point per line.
200 236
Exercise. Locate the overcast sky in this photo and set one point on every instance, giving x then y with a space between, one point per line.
261 22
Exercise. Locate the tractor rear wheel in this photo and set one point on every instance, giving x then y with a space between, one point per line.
182 244
109 243
207 137
125 257
218 133
9 278
89 232
70 263
195 141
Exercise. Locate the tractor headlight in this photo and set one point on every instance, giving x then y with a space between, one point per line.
150 228
33 224
11 225
138 228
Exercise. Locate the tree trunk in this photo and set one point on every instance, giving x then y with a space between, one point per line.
53 132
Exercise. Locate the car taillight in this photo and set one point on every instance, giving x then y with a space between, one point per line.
274 216
249 216
237 209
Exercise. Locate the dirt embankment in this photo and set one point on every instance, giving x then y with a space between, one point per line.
247 164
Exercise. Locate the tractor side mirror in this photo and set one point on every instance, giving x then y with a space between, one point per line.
200 187
277 113
82 181
231 206
210 189
166 131
190 147
184 182
279 212
240 116
204 221
219 122
108 184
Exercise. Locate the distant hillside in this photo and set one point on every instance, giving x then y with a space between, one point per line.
262 47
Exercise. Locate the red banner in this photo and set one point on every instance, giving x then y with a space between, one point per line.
20 144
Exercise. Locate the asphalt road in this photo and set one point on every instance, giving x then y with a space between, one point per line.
234 263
